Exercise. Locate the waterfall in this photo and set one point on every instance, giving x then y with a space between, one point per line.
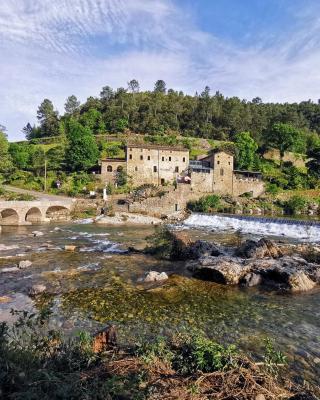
296 229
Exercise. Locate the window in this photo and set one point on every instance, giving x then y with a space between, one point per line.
162 158
169 158
109 168
218 162
184 159
130 156
148 157
177 169
136 169
141 157
155 169
229 163
221 171
120 168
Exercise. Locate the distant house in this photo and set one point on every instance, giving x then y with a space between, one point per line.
159 165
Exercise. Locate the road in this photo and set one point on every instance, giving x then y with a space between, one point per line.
37 195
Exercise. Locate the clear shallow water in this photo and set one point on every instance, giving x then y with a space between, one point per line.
99 283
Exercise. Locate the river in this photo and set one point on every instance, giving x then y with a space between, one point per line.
100 283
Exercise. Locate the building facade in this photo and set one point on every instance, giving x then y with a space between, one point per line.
159 165
143 164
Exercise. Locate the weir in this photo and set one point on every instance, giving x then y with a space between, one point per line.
301 230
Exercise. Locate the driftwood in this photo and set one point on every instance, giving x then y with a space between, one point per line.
105 339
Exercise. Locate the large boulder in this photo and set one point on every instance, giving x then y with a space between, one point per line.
262 248
183 248
292 274
222 269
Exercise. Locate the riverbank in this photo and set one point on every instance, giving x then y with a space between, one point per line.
39 363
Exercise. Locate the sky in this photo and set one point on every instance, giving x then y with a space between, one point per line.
246 48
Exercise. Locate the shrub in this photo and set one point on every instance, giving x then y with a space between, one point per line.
295 204
205 204
272 189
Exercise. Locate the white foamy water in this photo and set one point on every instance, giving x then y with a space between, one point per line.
256 227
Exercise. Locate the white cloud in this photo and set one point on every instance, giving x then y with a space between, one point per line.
57 48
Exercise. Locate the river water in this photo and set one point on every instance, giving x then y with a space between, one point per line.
100 283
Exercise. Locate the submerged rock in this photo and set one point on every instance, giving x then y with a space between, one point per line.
154 276
37 233
24 264
259 249
69 247
251 279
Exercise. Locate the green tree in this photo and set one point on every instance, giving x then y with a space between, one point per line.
31 132
5 158
160 86
72 105
20 155
106 93
134 86
82 151
48 118
246 151
314 162
285 137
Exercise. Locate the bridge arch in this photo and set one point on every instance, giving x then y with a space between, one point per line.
34 215
58 212
9 216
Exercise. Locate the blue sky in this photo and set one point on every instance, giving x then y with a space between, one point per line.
247 48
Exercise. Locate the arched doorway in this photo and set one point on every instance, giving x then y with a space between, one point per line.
9 217
34 215
58 213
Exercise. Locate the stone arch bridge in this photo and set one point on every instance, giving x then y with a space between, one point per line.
33 212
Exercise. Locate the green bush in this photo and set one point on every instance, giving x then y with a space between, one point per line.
295 204
205 204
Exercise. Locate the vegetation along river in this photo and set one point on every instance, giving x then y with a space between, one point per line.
100 283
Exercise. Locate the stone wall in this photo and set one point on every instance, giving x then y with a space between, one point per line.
202 181
250 184
175 200
110 168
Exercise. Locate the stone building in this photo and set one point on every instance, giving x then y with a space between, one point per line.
215 173
159 165
156 165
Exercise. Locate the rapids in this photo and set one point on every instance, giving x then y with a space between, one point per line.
305 231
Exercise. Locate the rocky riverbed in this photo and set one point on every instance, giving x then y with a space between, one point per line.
92 278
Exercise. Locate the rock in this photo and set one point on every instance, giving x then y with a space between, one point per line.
9 269
202 248
300 282
183 248
260 397
37 289
154 276
220 269
69 247
24 264
104 339
37 233
303 396
259 249
57 229
251 279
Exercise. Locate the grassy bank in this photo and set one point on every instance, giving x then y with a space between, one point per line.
39 363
